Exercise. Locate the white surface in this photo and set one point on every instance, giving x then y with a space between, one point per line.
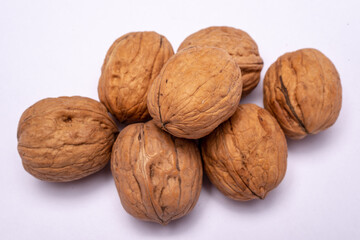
50 49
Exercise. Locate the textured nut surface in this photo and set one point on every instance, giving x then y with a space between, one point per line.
302 90
158 176
130 66
66 138
245 157
238 44
197 89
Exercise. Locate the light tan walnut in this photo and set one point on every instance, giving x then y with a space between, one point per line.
197 89
302 90
158 176
130 66
238 44
245 157
66 138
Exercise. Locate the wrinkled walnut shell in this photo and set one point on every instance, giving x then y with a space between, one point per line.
130 66
197 89
238 44
302 90
66 138
245 157
158 176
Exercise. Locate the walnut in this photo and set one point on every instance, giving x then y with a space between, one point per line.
158 176
302 90
197 89
238 44
130 66
245 157
66 138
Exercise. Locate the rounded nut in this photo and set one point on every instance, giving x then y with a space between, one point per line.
245 157
197 89
130 66
238 44
66 138
158 176
302 90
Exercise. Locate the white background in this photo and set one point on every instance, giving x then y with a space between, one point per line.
56 48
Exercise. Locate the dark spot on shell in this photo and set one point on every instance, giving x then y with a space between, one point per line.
67 119
163 208
152 170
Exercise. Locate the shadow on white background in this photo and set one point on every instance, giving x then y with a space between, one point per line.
75 190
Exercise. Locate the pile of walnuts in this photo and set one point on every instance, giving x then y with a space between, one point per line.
170 100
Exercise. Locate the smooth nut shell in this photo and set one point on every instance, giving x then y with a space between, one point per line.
245 157
198 88
158 176
238 44
130 66
302 90
66 138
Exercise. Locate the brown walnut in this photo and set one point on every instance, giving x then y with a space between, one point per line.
302 90
130 66
245 157
66 138
197 89
238 44
158 176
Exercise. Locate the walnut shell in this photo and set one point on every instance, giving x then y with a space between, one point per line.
245 157
197 89
66 138
302 90
130 66
158 176
238 44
